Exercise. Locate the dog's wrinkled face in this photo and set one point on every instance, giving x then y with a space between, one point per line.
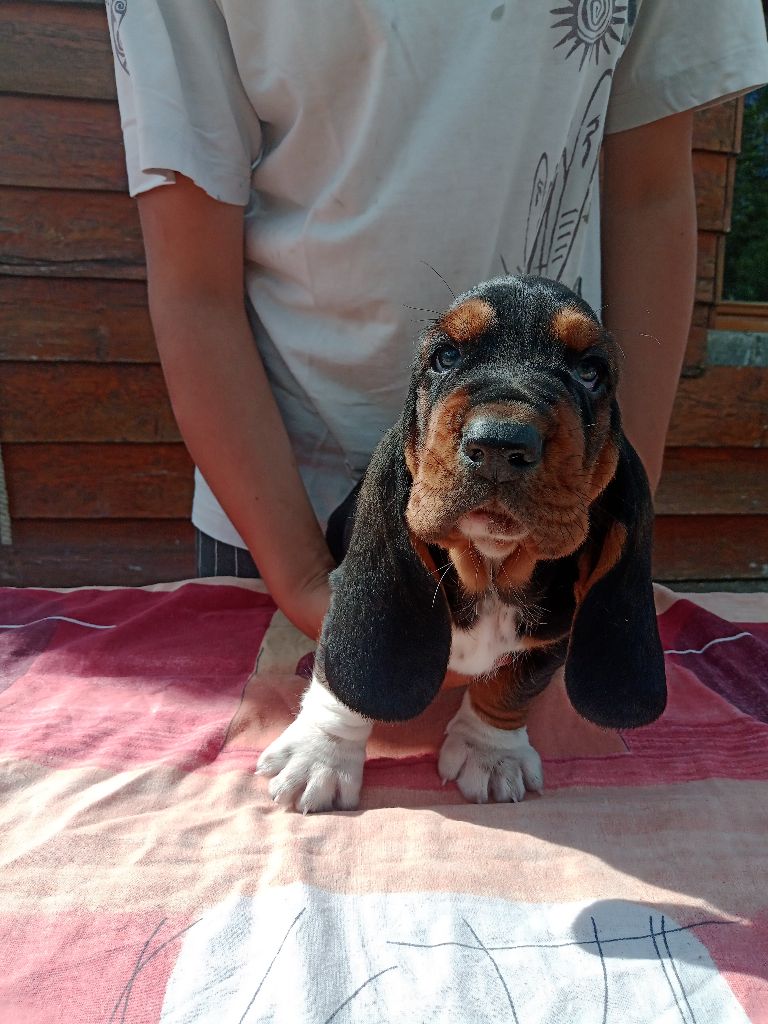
511 436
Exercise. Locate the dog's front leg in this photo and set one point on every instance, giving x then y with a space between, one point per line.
488 763
317 763
486 750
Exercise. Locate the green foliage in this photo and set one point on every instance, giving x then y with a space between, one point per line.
746 253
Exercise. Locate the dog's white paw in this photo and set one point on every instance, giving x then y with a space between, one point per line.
317 763
488 763
313 771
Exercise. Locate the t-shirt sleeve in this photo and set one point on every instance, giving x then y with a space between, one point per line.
182 104
684 54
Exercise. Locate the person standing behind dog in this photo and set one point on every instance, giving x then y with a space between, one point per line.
303 166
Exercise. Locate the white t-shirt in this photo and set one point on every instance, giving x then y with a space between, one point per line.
374 140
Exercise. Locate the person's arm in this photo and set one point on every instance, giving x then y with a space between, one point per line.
220 394
649 246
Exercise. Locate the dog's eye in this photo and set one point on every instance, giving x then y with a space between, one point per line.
590 374
445 358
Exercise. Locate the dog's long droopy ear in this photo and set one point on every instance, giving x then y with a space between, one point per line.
614 670
386 639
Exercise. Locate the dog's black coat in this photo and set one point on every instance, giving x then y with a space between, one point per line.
386 640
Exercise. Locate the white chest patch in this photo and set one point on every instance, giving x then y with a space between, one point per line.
475 651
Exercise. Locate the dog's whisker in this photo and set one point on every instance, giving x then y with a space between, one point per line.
437 568
453 293
422 309
439 582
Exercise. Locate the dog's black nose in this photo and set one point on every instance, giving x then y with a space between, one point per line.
499 449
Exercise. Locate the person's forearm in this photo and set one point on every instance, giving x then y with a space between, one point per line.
220 394
229 420
649 273
649 277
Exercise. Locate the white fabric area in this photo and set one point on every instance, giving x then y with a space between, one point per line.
303 954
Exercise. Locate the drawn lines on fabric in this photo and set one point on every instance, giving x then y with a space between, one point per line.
567 225
238 709
655 932
121 1006
604 968
561 191
357 991
117 12
717 640
663 934
590 26
271 964
560 945
481 945
333 958
53 618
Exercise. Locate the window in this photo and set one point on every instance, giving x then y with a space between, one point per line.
746 253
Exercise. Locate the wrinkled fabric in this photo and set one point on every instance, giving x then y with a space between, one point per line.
147 877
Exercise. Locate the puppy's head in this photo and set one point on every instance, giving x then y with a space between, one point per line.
511 433
509 453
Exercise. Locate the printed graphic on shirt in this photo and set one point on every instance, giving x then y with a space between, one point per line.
592 25
560 197
117 10
629 24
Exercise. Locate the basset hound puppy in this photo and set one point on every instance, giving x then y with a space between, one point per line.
503 528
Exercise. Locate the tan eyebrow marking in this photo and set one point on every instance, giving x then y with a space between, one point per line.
468 321
575 329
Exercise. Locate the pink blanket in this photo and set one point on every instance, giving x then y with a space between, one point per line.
146 877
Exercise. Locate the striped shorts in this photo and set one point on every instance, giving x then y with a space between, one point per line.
215 558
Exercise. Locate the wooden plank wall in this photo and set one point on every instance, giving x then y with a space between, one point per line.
99 483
